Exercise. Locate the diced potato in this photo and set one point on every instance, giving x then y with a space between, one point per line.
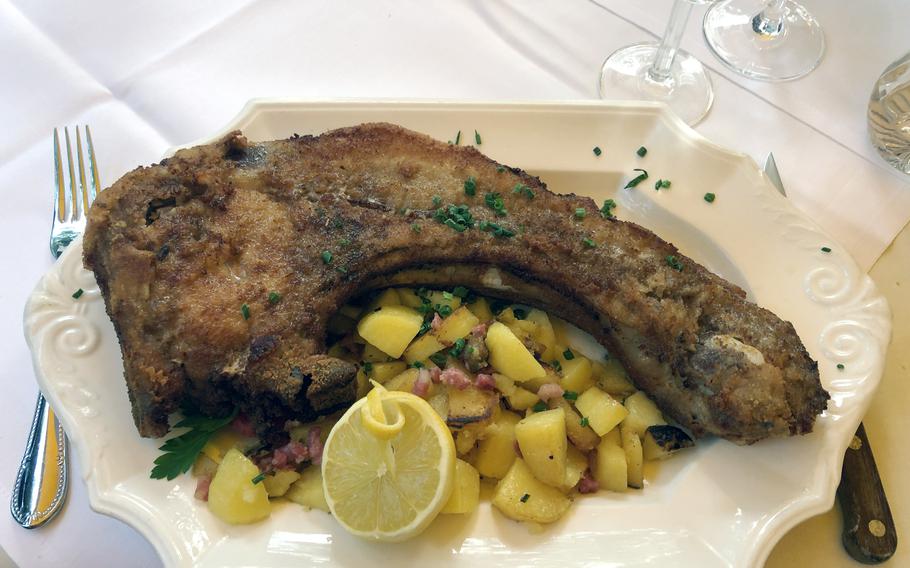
350 311
221 443
642 413
583 437
661 441
481 309
542 440
404 381
560 330
576 464
602 411
631 445
456 326
509 356
363 383
544 335
233 497
576 374
496 451
520 496
504 384
464 441
612 378
409 297
466 490
308 490
388 297
438 299
522 399
422 348
277 484
613 437
204 466
390 328
534 385
439 400
382 372
610 469
470 405
373 355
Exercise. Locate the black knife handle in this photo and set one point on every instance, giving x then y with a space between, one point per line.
869 534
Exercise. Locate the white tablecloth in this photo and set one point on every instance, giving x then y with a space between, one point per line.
149 75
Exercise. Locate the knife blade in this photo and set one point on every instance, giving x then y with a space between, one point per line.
869 535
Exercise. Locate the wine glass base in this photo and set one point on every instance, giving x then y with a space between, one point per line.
625 75
789 54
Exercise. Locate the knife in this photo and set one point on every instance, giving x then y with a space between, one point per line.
869 535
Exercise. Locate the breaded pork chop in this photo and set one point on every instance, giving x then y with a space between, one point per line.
187 252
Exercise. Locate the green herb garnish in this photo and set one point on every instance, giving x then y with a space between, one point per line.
494 201
439 359
477 138
662 184
570 395
344 242
326 257
437 201
539 407
448 295
274 298
341 269
583 421
497 229
417 365
568 355
457 348
674 263
258 479
556 365
457 217
78 293
500 169
181 451
589 243
710 197
597 151
444 310
416 227
641 152
524 498
824 249
580 213
461 292
840 366
638 179
458 138
367 367
470 186
608 207
522 189
245 311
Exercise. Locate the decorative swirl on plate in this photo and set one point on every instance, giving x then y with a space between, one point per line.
829 284
849 343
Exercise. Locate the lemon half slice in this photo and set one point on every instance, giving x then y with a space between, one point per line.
388 466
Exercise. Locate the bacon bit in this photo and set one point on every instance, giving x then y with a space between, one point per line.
435 373
485 382
587 484
437 321
549 390
479 330
314 445
243 426
202 488
422 385
456 378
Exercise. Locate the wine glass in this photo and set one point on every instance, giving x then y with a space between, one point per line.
889 114
776 40
661 72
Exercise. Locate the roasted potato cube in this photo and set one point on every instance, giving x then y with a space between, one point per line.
470 405
583 437
390 328
534 385
278 483
610 470
542 440
612 378
388 297
308 490
544 335
576 374
466 490
496 452
520 496
404 381
222 442
631 445
602 411
481 308
509 356
422 348
382 372
576 464
373 355
642 413
661 441
409 297
522 399
363 383
456 326
233 497
504 384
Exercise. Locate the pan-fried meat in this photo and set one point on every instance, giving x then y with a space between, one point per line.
221 266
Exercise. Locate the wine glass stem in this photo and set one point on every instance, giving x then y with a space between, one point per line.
770 21
669 43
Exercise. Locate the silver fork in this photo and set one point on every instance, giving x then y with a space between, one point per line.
41 481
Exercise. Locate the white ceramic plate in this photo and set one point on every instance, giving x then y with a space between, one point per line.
718 505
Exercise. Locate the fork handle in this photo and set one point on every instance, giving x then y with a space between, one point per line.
40 487
869 534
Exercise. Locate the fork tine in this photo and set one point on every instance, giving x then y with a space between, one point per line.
81 164
93 165
74 211
60 202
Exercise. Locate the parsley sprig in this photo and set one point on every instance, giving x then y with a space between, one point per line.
181 451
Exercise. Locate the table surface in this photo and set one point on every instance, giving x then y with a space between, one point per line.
149 75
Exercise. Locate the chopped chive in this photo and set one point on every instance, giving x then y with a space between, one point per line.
416 227
341 269
607 209
522 189
78 293
477 138
589 243
461 292
458 138
580 212
417 365
497 229
539 407
570 395
710 197
245 311
597 151
494 201
258 478
444 310
457 348
840 366
326 257
583 422
470 186
662 184
826 249
500 169
274 298
437 201
367 367
344 242
638 179
568 355
457 217
641 152
556 365
439 359
524 498
447 295
674 263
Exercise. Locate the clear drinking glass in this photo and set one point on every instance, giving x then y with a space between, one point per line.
660 72
889 114
776 40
